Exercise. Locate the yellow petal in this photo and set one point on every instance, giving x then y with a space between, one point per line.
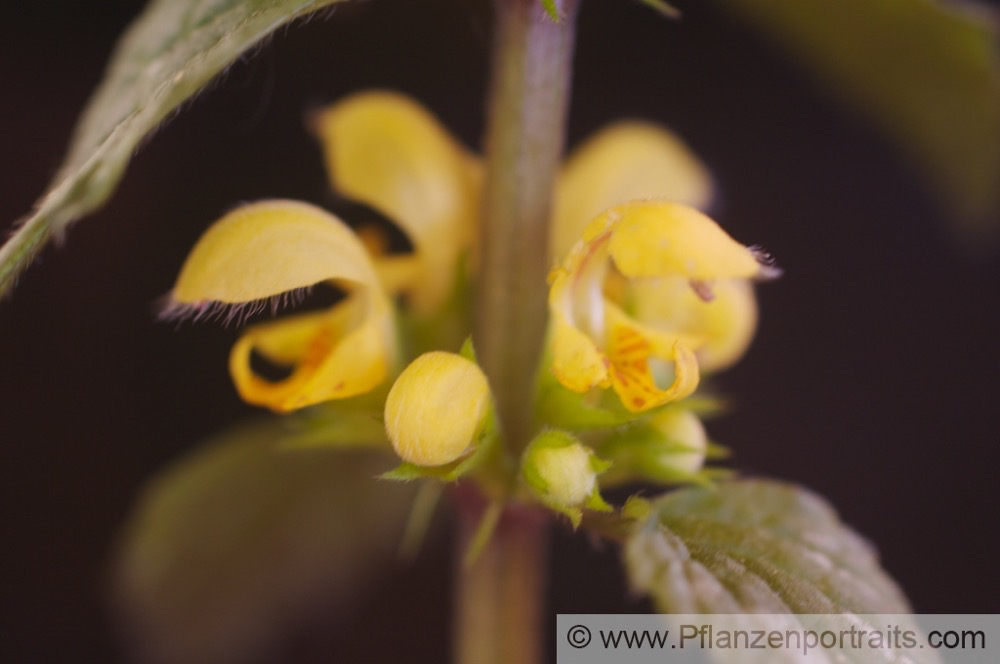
631 351
659 238
436 408
576 287
725 324
332 354
576 362
269 248
384 150
395 271
625 162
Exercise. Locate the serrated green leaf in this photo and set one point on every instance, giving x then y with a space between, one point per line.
755 546
229 550
170 52
926 71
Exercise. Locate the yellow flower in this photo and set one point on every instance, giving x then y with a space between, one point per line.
268 250
596 343
632 161
383 150
627 161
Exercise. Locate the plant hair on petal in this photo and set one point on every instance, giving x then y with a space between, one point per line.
229 313
768 265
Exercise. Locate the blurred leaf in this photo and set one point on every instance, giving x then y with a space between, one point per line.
663 7
755 546
926 71
169 53
231 548
331 426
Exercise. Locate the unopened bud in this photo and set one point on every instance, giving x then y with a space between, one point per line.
686 442
563 472
567 474
436 408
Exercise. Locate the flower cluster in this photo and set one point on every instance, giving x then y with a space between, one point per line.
646 294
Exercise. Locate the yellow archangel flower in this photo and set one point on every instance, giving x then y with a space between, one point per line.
383 150
272 248
673 252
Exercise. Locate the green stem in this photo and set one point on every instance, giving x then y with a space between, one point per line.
524 143
499 597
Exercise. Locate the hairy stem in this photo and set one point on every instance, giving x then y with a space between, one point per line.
524 143
499 597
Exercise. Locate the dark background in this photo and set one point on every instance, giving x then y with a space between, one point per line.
873 379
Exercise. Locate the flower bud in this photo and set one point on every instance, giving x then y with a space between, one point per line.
436 409
685 440
567 474
563 472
